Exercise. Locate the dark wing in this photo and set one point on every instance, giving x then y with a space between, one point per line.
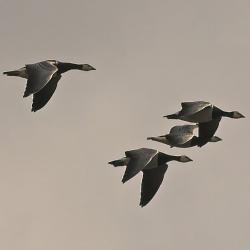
39 74
139 158
191 108
41 98
151 181
195 104
207 131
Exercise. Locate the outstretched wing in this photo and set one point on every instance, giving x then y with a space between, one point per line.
184 129
191 108
139 158
178 140
41 98
151 181
207 131
39 74
181 134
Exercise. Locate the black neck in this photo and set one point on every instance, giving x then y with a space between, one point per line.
199 141
163 158
64 67
219 113
227 114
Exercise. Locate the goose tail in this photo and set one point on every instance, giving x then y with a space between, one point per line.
12 73
173 116
20 72
120 162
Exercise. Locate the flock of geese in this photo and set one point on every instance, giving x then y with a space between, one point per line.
42 79
153 163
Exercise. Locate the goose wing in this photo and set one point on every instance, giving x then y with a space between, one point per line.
151 181
178 140
41 98
139 158
207 131
181 134
191 108
184 129
39 74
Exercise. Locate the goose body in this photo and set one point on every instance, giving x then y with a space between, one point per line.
42 79
153 165
181 137
206 115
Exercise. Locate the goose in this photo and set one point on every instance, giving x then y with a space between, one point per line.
206 115
153 165
182 137
201 111
42 79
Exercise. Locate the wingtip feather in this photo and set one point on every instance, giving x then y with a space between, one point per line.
143 204
123 180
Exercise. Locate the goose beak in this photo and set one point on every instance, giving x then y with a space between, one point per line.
91 68
184 158
189 159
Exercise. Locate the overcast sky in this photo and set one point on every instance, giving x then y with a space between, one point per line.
57 191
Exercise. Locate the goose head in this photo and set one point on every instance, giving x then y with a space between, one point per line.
87 67
236 115
184 158
215 139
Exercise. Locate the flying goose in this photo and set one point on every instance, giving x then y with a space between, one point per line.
153 165
182 137
201 111
42 79
206 115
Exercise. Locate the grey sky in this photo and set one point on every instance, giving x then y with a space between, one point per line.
57 191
